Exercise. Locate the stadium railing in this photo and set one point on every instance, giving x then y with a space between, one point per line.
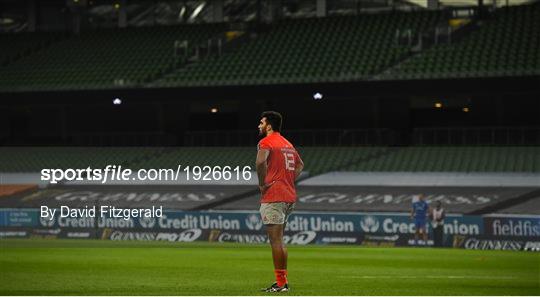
124 139
477 136
326 137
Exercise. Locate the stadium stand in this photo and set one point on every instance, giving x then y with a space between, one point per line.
8 190
455 159
390 199
312 197
310 50
103 58
202 156
332 49
318 159
464 200
34 159
16 46
505 45
170 197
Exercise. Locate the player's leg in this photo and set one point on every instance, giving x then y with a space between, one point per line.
273 215
421 231
285 252
439 234
279 254
289 207
416 231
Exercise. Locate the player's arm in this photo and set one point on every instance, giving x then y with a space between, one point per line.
412 212
260 164
299 167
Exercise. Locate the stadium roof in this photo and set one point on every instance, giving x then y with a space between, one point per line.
499 3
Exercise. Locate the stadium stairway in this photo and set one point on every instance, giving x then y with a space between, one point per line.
292 51
102 59
203 51
333 49
426 41
313 50
506 44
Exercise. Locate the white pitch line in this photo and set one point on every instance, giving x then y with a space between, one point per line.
428 276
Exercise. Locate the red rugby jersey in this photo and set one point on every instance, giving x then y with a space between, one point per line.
281 163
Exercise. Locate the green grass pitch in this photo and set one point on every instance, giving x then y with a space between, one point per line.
92 267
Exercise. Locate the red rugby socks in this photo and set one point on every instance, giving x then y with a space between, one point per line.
281 276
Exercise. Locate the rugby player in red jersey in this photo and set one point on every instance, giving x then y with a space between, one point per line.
278 166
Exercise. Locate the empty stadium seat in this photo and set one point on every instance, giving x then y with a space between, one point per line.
455 159
111 58
317 159
506 45
14 46
310 50
34 159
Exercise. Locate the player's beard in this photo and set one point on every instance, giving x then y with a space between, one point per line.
262 133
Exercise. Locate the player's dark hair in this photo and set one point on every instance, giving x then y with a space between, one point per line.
273 118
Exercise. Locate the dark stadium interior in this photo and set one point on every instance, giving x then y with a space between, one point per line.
381 87
53 118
